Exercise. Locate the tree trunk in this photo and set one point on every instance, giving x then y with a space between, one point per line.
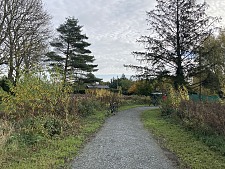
11 67
179 79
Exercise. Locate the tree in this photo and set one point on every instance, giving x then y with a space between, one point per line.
4 29
212 70
122 82
90 78
125 85
25 26
71 53
141 87
178 28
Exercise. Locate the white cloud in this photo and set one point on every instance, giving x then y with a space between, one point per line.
217 9
112 27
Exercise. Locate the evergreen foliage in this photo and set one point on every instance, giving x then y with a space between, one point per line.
71 53
212 60
178 28
90 78
123 82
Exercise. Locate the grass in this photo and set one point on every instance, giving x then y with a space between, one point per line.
126 107
191 150
54 153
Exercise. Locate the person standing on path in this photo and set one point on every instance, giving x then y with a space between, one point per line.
123 143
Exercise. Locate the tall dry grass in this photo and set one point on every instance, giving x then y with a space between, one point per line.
203 115
6 129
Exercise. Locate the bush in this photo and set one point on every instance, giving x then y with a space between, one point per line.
208 116
105 97
28 132
6 129
38 108
5 84
87 106
33 130
34 95
53 126
170 105
203 116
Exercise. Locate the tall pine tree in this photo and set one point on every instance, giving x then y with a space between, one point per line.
178 28
71 54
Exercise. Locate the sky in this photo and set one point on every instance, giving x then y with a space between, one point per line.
113 26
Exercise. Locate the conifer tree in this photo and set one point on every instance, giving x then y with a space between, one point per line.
71 53
178 28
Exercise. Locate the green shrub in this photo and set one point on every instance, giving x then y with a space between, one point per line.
28 132
33 130
87 106
35 95
53 126
5 84
170 105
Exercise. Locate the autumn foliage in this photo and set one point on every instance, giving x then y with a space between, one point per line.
209 116
198 115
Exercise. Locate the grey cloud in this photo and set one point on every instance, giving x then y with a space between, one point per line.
217 9
113 26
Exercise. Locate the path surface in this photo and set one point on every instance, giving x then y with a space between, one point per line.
123 143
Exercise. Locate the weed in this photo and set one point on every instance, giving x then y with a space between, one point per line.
189 146
204 116
6 129
53 126
87 106
172 102
33 96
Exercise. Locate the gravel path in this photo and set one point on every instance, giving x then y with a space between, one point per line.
123 143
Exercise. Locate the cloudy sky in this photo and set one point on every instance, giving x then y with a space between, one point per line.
113 27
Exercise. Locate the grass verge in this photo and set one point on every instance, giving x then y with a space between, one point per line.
126 107
54 153
191 151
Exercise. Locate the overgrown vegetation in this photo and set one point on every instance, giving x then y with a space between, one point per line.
205 116
135 100
202 121
198 115
173 99
50 152
193 149
34 95
43 124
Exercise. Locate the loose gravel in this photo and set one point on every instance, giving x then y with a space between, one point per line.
123 143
